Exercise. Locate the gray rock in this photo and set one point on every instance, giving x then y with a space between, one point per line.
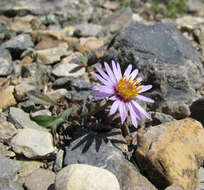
33 143
59 160
165 59
158 118
8 167
71 8
40 179
78 96
201 175
22 120
6 151
70 82
86 30
27 105
7 184
117 20
19 43
7 131
6 65
93 149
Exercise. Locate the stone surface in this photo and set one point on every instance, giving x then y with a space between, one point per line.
71 8
95 149
19 43
40 179
165 59
33 143
86 177
6 65
174 187
6 151
201 175
57 94
27 168
91 44
7 130
172 152
7 184
23 24
40 112
68 66
22 88
59 160
189 22
112 5
7 97
51 55
158 118
87 29
117 20
76 83
8 167
21 119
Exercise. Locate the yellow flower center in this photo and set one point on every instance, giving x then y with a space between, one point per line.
128 89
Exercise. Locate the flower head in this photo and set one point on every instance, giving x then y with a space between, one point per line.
122 90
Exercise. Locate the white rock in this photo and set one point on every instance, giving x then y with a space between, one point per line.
33 143
85 177
137 18
68 68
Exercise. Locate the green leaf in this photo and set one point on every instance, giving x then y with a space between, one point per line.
44 120
63 116
84 60
39 99
54 129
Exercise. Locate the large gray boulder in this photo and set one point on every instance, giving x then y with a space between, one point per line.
165 59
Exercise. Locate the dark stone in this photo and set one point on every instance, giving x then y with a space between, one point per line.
197 110
165 59
6 65
95 149
158 118
20 42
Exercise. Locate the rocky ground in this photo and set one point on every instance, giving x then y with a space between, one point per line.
55 136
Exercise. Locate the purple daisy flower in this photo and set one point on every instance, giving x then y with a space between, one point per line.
122 90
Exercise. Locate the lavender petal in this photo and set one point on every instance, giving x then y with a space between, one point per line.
114 107
122 111
144 98
128 71
110 72
145 88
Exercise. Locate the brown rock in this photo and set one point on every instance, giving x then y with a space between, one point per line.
48 43
6 97
26 60
172 153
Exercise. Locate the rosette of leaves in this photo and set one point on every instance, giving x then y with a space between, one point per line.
50 122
